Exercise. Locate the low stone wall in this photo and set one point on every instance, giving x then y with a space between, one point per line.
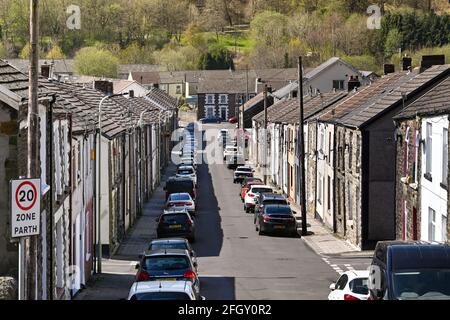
8 288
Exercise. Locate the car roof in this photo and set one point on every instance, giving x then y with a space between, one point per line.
161 286
179 193
168 241
419 255
175 210
262 186
269 206
273 196
164 252
185 167
175 179
357 273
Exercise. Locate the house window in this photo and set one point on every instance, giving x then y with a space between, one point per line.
178 90
241 99
209 111
358 153
209 99
329 147
338 84
431 225
429 150
445 157
223 99
406 153
416 155
329 193
320 188
321 140
444 228
224 112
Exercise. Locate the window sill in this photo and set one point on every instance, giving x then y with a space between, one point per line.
428 177
444 186
413 186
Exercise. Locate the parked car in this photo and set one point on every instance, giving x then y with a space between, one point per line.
235 162
276 218
181 200
264 199
169 265
410 271
211 119
180 185
247 183
164 290
187 172
249 200
188 162
230 151
241 173
173 243
176 224
233 120
351 285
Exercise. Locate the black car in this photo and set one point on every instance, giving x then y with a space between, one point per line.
173 243
174 264
410 271
176 224
180 185
264 199
276 219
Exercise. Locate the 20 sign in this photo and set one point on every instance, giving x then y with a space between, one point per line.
25 207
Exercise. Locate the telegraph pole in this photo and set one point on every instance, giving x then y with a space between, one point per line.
33 143
246 96
265 134
301 148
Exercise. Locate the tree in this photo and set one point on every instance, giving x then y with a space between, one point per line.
217 58
55 53
393 42
92 61
3 51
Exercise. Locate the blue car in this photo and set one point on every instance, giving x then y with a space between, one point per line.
211 119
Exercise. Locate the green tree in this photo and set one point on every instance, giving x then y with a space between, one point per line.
92 61
217 58
3 51
393 42
55 53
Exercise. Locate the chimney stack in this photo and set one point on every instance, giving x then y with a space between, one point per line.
45 70
353 83
431 60
104 86
389 68
406 63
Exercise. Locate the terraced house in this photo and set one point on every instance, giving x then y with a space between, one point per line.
422 166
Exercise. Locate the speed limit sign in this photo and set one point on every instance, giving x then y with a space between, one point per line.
25 207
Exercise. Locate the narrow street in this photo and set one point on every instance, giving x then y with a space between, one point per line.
235 263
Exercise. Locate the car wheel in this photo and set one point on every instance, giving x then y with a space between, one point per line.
245 209
256 227
260 232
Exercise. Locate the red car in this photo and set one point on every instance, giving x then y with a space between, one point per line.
233 120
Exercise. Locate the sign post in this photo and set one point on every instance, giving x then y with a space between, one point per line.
25 219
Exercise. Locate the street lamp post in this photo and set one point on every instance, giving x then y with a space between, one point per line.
301 145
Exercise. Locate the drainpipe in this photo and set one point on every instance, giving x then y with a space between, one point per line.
70 198
334 180
50 116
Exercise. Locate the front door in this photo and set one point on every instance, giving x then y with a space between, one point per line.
224 113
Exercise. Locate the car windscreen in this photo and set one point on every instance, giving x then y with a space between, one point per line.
168 245
175 218
166 263
261 190
161 296
180 185
185 171
278 210
359 286
422 284
244 169
274 201
179 197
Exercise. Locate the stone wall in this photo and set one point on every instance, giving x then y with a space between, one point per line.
8 288
407 189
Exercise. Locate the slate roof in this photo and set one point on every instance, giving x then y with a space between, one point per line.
254 101
162 99
316 71
435 102
225 85
287 110
410 88
146 77
125 69
16 82
66 66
